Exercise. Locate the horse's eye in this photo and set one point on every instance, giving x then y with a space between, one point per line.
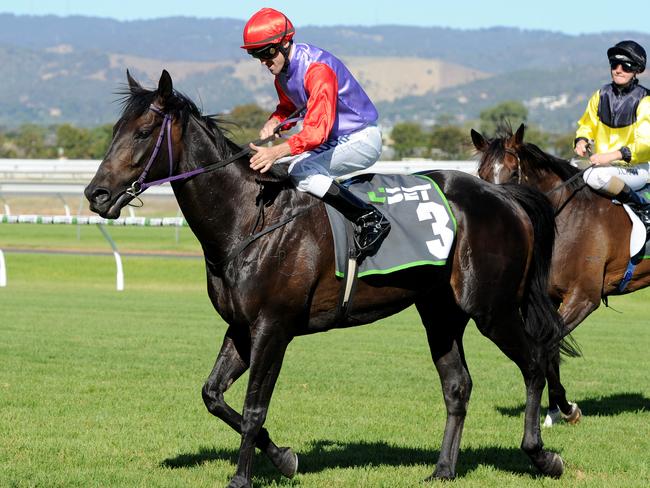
143 133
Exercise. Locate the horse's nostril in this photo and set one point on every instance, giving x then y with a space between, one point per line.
100 195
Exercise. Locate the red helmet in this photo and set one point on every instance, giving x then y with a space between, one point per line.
268 26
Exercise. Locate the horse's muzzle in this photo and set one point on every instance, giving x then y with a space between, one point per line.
103 202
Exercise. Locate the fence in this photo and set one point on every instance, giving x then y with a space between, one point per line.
68 178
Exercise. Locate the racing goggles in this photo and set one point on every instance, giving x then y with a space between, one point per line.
265 53
627 66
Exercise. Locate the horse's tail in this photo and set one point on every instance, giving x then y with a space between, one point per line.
542 321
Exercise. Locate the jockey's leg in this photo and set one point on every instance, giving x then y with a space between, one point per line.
620 183
610 179
314 172
371 227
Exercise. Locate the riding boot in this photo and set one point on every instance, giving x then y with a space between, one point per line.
639 205
370 225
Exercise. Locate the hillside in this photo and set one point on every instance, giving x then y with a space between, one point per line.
68 69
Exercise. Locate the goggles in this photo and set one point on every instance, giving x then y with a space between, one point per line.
265 53
627 66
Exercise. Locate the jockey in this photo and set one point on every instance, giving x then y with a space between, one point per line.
339 133
617 119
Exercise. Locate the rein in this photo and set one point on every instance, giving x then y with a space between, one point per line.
567 182
139 186
514 154
564 184
252 237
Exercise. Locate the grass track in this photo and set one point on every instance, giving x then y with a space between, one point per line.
102 388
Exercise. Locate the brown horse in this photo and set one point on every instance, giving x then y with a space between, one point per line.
282 284
593 234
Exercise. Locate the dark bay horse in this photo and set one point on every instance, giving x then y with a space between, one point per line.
283 284
593 234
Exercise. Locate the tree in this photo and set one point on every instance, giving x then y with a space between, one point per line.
249 116
100 138
449 142
510 112
247 120
538 137
562 145
408 140
30 142
73 141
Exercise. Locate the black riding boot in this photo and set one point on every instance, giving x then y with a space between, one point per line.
640 207
370 225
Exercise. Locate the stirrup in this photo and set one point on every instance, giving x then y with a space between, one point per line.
367 243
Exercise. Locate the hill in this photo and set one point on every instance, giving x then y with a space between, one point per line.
68 69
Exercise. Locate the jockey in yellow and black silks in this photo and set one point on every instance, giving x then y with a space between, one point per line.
617 120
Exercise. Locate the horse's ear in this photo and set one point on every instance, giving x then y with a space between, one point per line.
133 84
519 135
480 143
165 85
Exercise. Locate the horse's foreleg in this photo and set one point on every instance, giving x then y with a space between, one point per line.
267 353
576 306
445 342
557 401
229 366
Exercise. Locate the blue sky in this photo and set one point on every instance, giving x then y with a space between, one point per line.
571 17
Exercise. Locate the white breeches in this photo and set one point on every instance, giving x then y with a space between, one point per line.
313 171
635 176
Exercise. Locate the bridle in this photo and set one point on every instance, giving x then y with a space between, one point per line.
514 154
140 185
564 184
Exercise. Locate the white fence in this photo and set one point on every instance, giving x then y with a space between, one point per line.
63 178
19 176
68 177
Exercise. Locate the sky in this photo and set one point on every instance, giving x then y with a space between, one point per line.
567 16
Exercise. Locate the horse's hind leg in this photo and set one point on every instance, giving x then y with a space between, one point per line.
507 332
231 363
445 326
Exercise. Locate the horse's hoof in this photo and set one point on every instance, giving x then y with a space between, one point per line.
574 416
239 482
288 462
554 466
441 473
553 417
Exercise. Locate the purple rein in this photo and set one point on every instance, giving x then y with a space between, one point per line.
140 185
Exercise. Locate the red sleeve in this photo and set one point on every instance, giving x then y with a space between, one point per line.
285 106
322 89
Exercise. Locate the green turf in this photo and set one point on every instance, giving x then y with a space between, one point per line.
102 388
90 238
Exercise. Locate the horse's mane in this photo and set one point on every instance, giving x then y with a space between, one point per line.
532 159
136 100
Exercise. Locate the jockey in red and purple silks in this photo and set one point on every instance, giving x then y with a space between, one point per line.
339 132
336 104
